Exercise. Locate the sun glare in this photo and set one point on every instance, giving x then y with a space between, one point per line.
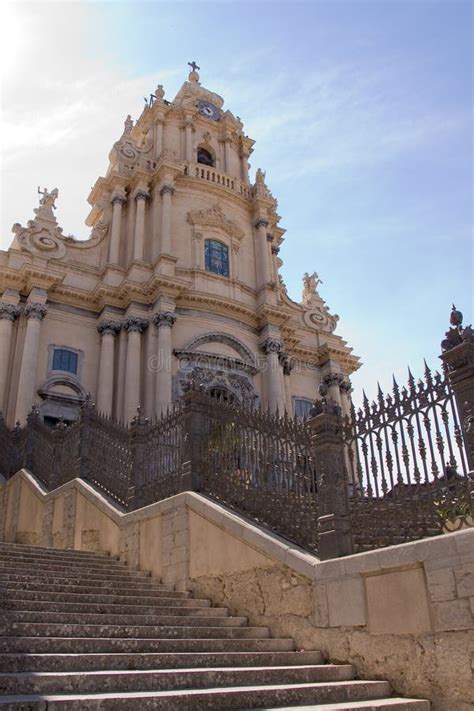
13 36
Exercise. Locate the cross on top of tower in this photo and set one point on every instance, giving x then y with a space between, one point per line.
193 65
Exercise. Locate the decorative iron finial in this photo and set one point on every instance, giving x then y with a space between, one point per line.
193 75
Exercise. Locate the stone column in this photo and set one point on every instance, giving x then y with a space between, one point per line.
198 250
188 129
329 387
245 167
275 389
227 145
275 252
139 243
8 314
34 313
262 252
114 246
335 536
134 327
158 138
163 323
105 384
166 192
287 366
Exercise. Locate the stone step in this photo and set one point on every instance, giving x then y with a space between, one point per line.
393 704
152 660
38 606
157 600
108 645
75 570
213 699
167 679
96 581
84 618
51 629
39 562
19 549
137 590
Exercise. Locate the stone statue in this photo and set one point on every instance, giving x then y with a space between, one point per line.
128 124
260 177
46 205
310 285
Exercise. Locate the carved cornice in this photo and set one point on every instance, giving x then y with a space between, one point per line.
165 318
10 312
109 328
35 311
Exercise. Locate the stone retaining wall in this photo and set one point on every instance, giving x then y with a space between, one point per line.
403 613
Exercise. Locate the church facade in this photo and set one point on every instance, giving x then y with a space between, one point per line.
178 281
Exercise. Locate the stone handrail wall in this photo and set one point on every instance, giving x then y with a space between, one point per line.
404 613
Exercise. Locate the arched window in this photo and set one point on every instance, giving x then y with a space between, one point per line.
204 157
65 360
302 406
216 257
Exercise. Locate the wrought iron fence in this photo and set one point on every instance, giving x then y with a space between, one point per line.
406 462
106 456
158 446
379 477
259 464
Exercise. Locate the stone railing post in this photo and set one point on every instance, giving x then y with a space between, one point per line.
335 537
192 438
458 357
85 451
139 428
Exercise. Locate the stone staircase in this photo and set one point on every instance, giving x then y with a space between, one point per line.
79 630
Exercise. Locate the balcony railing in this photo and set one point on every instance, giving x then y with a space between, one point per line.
210 174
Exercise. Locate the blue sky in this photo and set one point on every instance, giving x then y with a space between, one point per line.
362 113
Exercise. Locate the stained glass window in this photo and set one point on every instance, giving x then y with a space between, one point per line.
216 257
65 360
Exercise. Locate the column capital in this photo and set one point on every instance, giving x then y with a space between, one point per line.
167 189
165 318
121 199
271 345
134 324
261 222
270 237
10 312
109 328
142 195
345 386
35 311
275 250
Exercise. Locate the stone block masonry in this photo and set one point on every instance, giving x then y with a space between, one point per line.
403 613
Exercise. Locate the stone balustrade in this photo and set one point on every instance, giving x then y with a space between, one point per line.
206 172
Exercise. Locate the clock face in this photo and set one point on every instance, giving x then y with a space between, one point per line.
208 110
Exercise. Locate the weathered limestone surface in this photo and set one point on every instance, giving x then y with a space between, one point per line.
431 665
403 613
